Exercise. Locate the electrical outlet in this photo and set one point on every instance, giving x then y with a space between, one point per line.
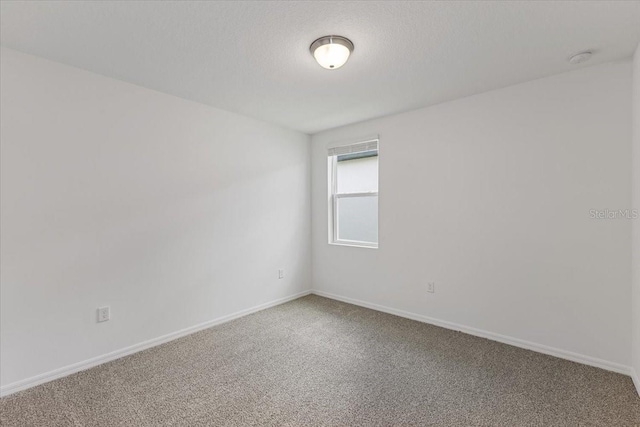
104 314
281 273
431 287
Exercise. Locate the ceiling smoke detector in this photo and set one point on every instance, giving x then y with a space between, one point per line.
331 52
580 57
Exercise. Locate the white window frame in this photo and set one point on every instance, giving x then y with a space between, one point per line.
334 196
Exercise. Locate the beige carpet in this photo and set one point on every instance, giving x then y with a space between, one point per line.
315 361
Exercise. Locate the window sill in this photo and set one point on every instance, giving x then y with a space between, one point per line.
354 245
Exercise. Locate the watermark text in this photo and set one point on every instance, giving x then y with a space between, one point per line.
614 213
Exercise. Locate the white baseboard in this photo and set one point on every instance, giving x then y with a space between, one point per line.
563 354
86 364
636 380
95 361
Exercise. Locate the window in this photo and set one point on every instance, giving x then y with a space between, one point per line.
353 193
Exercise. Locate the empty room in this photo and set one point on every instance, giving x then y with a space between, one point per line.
320 213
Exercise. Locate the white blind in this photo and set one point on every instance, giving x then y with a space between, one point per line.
354 148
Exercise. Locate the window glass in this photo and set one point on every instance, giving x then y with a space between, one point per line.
358 218
357 175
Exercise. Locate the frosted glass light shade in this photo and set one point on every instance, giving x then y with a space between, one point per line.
331 52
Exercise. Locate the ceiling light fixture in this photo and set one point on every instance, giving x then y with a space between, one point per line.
580 57
331 52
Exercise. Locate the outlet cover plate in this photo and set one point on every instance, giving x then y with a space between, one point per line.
104 314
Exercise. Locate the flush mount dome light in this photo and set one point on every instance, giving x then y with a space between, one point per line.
331 52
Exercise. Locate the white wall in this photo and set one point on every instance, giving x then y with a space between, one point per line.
171 212
490 197
636 223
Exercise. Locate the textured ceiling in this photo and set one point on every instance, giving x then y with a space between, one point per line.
252 57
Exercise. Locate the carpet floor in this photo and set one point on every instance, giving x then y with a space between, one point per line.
319 362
